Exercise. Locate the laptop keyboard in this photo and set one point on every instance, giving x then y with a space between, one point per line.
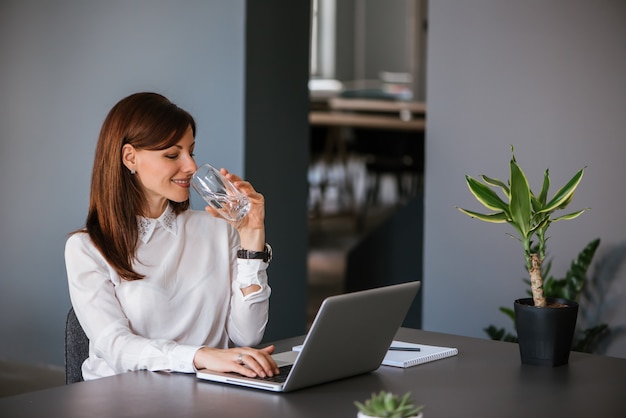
279 378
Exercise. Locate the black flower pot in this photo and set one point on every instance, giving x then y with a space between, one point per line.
545 334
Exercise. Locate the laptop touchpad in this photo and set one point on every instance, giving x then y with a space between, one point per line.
285 358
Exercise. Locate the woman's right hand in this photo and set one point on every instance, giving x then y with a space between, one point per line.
246 361
252 227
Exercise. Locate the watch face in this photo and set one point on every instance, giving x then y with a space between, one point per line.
268 252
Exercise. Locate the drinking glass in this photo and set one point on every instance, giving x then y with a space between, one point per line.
220 193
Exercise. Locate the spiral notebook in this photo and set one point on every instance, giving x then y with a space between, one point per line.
395 357
426 354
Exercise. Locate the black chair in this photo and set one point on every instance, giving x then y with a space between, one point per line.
76 348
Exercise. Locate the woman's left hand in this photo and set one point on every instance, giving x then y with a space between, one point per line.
243 360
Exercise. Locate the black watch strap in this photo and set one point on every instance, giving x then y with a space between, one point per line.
265 255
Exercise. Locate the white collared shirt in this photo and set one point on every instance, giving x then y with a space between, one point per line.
189 297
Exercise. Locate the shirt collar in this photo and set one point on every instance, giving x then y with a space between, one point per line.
146 226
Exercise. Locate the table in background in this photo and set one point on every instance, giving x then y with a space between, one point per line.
486 379
355 120
367 114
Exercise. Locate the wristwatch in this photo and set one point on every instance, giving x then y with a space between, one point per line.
265 255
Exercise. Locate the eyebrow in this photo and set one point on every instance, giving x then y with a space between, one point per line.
180 146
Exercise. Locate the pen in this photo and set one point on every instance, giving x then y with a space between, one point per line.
393 348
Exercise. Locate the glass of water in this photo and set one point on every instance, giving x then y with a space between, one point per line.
220 193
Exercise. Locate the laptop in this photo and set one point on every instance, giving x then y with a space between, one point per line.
350 335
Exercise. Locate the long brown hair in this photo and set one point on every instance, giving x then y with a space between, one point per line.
145 121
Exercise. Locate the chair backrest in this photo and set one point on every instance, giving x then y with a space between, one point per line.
76 348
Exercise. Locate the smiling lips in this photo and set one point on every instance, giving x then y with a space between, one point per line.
181 183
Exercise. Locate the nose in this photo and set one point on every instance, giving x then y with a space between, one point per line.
190 166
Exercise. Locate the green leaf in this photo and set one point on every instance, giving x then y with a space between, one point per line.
361 407
572 285
389 402
543 195
540 222
573 215
508 312
591 338
564 193
520 206
496 218
566 202
537 205
500 334
497 183
485 195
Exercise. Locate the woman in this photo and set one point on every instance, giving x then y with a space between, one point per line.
157 286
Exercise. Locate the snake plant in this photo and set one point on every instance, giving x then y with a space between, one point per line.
528 213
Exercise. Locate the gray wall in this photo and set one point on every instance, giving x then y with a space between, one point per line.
548 78
65 63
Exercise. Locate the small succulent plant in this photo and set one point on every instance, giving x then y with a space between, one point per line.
388 405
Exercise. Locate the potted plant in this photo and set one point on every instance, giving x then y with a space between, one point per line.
388 405
571 286
545 326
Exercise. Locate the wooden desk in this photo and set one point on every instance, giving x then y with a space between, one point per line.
486 379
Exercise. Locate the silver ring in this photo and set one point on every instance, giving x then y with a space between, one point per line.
240 359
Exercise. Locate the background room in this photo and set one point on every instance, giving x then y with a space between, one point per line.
545 76
367 118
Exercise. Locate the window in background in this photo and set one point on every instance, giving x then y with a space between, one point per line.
360 42
323 24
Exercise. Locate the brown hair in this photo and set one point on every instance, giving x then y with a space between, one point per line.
145 121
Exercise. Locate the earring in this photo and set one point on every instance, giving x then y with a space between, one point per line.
132 172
